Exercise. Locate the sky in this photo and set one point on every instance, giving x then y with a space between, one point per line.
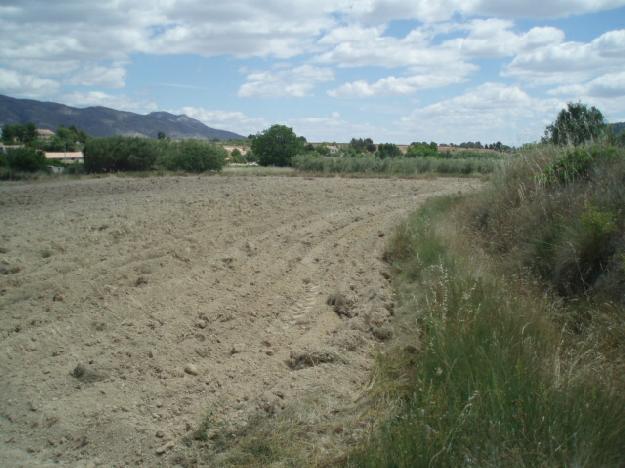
393 70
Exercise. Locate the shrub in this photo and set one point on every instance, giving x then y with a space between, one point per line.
191 155
422 150
560 213
119 154
236 156
26 159
575 164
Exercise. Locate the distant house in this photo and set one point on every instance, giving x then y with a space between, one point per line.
66 157
242 149
44 134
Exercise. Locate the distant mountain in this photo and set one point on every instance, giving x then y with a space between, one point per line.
102 121
617 127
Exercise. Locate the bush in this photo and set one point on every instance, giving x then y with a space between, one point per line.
560 213
422 150
236 156
26 159
575 164
191 155
139 154
119 154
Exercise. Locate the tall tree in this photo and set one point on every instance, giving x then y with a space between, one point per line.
277 145
575 125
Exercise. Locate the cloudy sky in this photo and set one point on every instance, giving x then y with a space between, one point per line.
393 70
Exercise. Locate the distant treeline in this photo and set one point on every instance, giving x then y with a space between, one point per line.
140 154
64 139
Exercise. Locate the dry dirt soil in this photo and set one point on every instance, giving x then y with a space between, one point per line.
130 308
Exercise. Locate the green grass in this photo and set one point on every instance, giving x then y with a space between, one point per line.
495 382
396 166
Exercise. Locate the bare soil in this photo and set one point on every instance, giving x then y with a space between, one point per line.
131 308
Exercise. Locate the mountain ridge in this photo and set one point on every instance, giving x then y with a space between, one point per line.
100 121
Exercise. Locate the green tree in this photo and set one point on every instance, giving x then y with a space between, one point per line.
26 159
276 146
120 153
361 145
388 150
19 133
575 125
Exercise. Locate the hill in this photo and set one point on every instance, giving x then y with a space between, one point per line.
617 127
103 121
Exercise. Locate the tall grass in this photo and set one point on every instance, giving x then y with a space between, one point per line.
495 381
393 166
561 213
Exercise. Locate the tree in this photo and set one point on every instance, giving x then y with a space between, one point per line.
361 145
276 146
161 135
575 125
388 150
19 133
26 159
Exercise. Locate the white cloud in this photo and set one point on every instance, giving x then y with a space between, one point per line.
97 75
370 47
571 62
404 85
489 112
375 11
333 127
228 120
494 38
609 85
118 102
24 85
295 82
538 8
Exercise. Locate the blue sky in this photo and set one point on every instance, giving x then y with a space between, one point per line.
393 70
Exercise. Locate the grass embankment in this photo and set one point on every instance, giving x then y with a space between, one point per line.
513 302
394 166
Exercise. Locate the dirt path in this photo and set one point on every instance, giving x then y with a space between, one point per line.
110 287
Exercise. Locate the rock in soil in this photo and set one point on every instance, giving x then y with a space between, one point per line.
303 359
382 333
86 374
341 304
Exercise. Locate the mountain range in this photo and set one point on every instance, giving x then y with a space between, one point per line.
103 121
